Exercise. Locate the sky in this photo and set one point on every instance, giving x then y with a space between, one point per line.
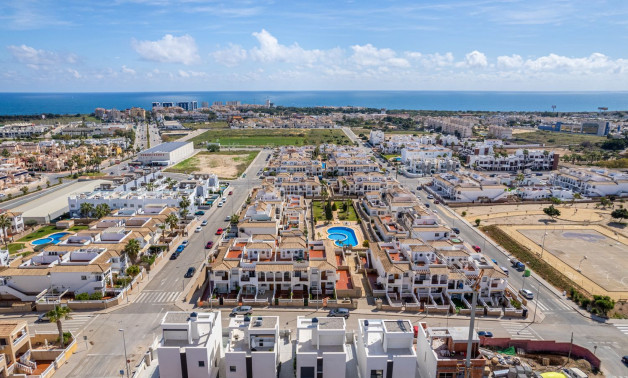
211 45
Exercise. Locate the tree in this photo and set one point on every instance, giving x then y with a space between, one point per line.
328 211
555 200
86 209
519 179
5 222
605 202
24 190
48 183
477 222
132 249
102 210
603 303
56 315
172 220
551 211
213 147
365 244
234 219
621 213
133 270
5 153
184 203
464 214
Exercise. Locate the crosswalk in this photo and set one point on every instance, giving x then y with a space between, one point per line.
553 307
623 328
77 322
521 331
157 297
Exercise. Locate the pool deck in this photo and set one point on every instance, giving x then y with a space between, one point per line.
323 229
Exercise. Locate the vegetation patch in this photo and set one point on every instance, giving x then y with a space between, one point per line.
15 247
271 137
40 233
225 164
171 137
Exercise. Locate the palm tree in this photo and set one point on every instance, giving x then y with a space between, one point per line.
132 249
86 209
102 210
172 220
56 315
184 203
5 222
162 227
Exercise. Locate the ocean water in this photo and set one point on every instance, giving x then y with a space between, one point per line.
71 103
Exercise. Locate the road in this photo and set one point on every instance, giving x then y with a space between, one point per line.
141 319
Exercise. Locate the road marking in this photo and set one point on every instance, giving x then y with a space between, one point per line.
157 297
623 328
520 331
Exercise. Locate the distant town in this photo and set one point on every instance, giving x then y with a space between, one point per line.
255 240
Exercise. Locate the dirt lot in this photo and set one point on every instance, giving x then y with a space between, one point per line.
225 164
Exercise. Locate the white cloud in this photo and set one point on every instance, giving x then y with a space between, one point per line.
188 74
513 61
36 59
230 56
74 73
369 55
128 70
476 59
169 49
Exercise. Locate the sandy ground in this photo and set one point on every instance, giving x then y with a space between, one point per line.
521 131
221 165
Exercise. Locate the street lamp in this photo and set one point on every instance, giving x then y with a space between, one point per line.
580 263
126 359
543 244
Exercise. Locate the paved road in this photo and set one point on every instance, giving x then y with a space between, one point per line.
141 318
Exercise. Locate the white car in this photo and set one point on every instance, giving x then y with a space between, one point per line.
198 229
527 294
220 204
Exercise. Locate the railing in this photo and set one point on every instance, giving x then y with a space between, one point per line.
19 339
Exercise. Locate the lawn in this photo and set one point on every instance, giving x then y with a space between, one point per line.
171 137
391 157
319 211
348 215
40 233
78 228
271 137
225 164
555 139
14 247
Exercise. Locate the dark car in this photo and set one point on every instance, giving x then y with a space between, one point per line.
190 272
624 359
174 256
477 248
427 204
339 312
200 212
456 230
485 333
209 245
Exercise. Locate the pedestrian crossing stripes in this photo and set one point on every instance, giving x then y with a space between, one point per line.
157 297
552 306
623 328
521 331
77 322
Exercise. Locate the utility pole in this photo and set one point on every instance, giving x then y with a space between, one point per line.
467 363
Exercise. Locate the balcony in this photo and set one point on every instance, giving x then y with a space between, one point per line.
20 339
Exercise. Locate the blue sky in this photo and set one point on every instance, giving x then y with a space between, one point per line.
149 45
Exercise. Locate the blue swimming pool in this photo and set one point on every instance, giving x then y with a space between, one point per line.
342 236
53 238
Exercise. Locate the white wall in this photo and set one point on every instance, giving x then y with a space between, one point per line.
264 364
237 359
193 356
169 362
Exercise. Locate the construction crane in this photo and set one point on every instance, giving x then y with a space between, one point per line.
474 284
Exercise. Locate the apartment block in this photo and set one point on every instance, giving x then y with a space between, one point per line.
536 160
252 349
441 352
385 348
190 345
468 186
591 182
321 348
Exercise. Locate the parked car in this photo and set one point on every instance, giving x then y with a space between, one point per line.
520 266
227 218
435 211
416 331
527 294
455 230
204 223
200 212
485 333
184 243
220 204
477 248
244 175
504 269
339 312
624 359
174 256
427 205
198 229
190 272
436 202
42 318
429 196
241 310
494 261
230 192
419 187
209 245
219 231
180 248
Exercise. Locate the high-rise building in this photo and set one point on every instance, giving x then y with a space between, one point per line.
156 104
205 104
167 104
184 105
194 105
217 103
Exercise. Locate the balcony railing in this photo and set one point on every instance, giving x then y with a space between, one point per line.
19 339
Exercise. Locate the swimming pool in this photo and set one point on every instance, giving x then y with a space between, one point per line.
342 236
53 238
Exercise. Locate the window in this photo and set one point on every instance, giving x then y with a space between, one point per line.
84 278
232 369
377 374
201 364
446 375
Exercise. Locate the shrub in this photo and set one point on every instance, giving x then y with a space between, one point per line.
133 270
464 213
334 207
66 338
477 222
96 296
365 244
81 297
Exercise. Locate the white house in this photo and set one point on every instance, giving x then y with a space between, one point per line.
385 348
376 137
166 153
252 350
191 344
321 347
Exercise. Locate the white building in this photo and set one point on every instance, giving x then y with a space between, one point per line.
469 187
321 347
376 137
191 344
591 182
385 348
166 153
536 160
252 350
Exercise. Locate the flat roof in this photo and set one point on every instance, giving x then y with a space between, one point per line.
165 147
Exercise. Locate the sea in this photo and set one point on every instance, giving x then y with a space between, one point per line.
72 103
